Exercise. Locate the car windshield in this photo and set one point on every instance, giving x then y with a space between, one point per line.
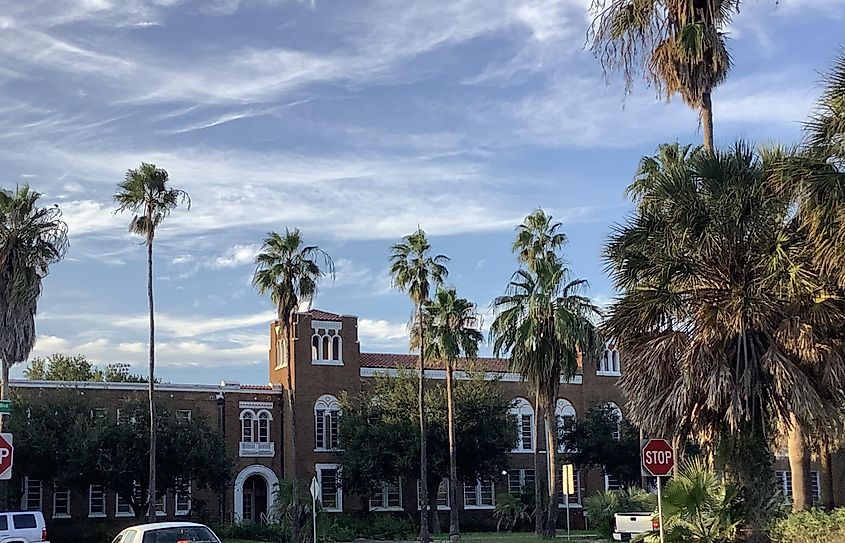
192 534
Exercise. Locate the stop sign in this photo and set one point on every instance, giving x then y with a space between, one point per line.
6 456
658 457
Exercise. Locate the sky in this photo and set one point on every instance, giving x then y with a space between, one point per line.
355 122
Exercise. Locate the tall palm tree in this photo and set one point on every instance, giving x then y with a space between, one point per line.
677 45
290 272
414 270
546 325
31 239
145 193
726 323
451 333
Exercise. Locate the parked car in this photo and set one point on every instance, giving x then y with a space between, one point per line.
22 527
167 532
630 525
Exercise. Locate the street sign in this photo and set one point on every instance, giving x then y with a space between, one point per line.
315 495
5 407
7 456
658 457
315 489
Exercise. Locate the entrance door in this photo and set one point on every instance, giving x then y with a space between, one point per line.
255 499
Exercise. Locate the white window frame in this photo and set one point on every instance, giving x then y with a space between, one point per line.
161 506
99 413
184 414
576 478
339 490
180 509
522 407
563 410
102 493
324 408
282 353
442 487
28 486
56 493
478 497
816 486
119 503
320 331
784 479
610 363
521 475
607 485
617 434
384 498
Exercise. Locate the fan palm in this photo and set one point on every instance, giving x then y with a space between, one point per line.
290 272
545 325
727 325
451 333
31 239
677 45
538 238
145 193
414 270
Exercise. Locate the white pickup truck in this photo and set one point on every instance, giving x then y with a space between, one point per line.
630 525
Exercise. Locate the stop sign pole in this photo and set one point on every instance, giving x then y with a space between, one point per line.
658 460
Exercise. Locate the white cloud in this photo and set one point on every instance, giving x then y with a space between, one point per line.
237 256
382 334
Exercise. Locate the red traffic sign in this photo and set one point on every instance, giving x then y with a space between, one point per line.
658 457
7 455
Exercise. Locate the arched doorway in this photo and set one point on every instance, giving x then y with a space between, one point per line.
255 499
254 493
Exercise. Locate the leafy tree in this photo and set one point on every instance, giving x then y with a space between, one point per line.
290 272
545 326
106 451
678 46
31 239
591 443
145 193
61 367
414 270
451 334
379 431
119 373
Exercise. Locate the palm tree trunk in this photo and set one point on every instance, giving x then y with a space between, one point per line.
424 536
538 470
4 395
297 510
707 122
551 446
826 474
799 465
151 493
454 527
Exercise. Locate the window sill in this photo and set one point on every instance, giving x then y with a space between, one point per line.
439 508
61 515
96 515
571 506
327 450
124 515
522 451
332 510
281 366
315 362
181 513
609 374
161 513
479 507
386 509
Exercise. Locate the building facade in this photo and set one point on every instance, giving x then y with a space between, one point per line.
269 441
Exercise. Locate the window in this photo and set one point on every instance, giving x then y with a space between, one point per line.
123 507
255 427
183 415
24 521
480 495
31 495
99 413
575 497
524 414
611 482
443 501
326 416
326 343
388 498
4 523
617 432
609 363
130 537
281 350
519 479
331 497
61 502
179 533
125 416
784 484
161 506
565 417
96 501
183 497
815 486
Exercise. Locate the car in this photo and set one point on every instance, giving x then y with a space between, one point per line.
22 527
167 532
629 525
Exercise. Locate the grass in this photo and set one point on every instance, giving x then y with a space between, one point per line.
504 537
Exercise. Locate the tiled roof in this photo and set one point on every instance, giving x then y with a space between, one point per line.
256 387
410 361
319 315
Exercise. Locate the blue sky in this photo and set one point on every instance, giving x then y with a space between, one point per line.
354 121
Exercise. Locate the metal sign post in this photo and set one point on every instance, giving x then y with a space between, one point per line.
315 494
660 508
568 482
658 460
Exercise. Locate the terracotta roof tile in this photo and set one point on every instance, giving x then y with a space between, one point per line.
409 361
320 315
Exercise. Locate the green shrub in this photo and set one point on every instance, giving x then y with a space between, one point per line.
346 527
275 533
813 526
511 511
603 506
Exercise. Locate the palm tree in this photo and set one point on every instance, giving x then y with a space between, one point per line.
727 325
31 239
451 333
290 272
414 270
144 192
545 325
677 45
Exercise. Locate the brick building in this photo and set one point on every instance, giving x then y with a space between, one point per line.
325 360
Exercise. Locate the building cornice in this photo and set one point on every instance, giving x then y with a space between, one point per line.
162 387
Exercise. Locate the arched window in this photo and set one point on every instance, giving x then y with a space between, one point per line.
247 420
609 363
263 422
326 343
336 346
565 417
315 347
616 367
617 413
326 353
524 414
326 417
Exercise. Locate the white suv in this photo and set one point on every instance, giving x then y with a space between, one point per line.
22 527
166 532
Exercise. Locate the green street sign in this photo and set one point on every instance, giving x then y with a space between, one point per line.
5 407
